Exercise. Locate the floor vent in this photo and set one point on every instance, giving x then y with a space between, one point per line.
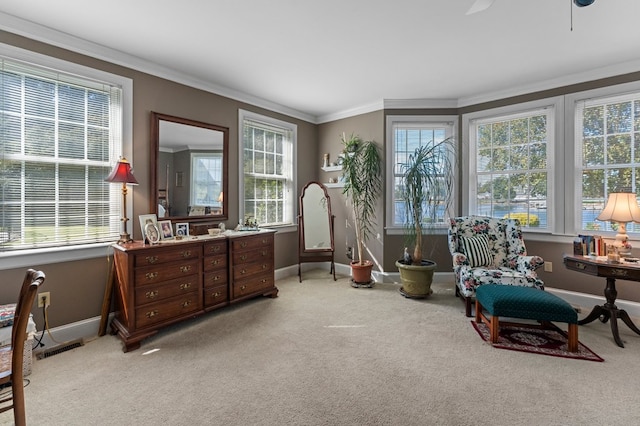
60 348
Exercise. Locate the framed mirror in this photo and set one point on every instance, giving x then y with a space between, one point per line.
315 227
189 169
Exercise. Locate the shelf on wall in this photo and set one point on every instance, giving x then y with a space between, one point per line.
334 185
332 168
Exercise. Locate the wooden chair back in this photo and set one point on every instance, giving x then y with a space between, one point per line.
12 371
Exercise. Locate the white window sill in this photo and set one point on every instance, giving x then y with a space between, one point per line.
31 258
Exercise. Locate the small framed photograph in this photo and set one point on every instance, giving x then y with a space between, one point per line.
182 229
146 219
179 179
166 229
151 232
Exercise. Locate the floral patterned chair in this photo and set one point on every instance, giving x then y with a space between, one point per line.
487 250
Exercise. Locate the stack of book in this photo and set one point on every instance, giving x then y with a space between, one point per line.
586 245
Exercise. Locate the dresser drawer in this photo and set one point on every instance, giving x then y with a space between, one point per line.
253 242
163 272
215 278
242 271
262 254
156 292
253 284
167 309
160 256
212 263
215 247
216 295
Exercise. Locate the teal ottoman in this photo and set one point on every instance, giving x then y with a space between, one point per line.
524 303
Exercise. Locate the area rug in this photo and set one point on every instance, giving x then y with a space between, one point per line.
524 338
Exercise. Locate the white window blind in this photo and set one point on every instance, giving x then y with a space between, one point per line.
59 136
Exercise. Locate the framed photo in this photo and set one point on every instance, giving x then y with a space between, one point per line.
166 229
179 179
146 219
151 232
182 229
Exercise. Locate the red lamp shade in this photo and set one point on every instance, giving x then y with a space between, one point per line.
122 173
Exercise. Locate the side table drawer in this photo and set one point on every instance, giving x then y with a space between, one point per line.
163 272
215 262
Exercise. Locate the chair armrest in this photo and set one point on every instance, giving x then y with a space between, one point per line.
459 259
528 263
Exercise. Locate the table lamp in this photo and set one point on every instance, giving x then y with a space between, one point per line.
622 207
122 173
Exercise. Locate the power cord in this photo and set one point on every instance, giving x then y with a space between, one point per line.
39 341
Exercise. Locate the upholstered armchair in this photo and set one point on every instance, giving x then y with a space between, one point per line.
487 250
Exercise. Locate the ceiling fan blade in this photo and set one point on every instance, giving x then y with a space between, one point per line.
479 6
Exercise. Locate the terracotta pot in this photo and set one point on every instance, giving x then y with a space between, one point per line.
416 279
361 274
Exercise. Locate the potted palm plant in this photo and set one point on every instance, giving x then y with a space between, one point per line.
426 188
361 174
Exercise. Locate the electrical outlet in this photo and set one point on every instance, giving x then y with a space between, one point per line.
44 299
548 266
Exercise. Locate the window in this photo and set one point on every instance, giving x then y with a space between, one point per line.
404 135
60 134
510 169
266 153
206 180
608 154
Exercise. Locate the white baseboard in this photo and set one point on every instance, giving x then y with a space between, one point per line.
88 329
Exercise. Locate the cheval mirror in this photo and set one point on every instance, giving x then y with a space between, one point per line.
315 227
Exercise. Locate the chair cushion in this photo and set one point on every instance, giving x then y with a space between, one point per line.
7 312
477 250
525 303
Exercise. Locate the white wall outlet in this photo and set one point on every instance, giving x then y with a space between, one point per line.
44 299
548 266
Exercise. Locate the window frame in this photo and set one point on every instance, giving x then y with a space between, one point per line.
27 257
553 107
449 121
292 198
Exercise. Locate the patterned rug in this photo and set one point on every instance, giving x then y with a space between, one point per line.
528 339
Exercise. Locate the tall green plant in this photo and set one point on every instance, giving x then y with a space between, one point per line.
427 185
362 175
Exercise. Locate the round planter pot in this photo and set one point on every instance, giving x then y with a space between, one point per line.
361 274
416 279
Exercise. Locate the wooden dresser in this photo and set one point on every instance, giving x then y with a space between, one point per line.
158 285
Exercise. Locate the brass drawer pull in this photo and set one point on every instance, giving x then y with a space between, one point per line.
244 271
215 262
185 286
216 295
244 287
243 244
243 257
217 278
264 266
215 249
184 269
151 259
151 314
186 303
264 280
151 294
186 253
264 253
151 275
264 241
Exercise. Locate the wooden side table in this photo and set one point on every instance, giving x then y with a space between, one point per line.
610 271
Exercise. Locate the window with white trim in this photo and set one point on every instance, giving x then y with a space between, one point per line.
404 135
510 167
267 189
206 180
60 135
607 154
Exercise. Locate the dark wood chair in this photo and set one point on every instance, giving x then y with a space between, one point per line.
12 357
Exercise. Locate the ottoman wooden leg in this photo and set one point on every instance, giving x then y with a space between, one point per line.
572 342
478 311
494 329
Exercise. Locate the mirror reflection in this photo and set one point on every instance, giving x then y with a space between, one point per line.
190 168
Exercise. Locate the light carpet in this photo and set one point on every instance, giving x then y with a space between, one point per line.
325 353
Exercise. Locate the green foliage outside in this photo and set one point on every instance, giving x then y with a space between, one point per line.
530 220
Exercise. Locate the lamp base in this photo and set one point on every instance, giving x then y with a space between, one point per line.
125 238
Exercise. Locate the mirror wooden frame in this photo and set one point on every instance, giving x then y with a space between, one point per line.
156 118
324 254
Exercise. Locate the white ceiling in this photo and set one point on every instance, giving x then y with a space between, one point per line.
319 60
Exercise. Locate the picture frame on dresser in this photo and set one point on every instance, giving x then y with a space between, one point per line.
146 219
166 229
182 229
152 233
